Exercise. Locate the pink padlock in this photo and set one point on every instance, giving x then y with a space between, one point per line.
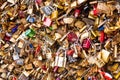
55 68
47 22
77 12
86 43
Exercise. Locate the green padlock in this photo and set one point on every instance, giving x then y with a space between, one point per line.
30 33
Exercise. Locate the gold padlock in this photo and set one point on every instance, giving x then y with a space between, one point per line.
54 14
117 75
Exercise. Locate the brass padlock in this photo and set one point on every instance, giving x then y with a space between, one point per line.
54 14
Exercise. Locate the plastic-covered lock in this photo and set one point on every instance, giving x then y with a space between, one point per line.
60 61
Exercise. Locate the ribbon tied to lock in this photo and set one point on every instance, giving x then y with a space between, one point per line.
59 60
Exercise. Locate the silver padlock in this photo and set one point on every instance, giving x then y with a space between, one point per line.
60 61
15 55
23 77
47 10
49 40
20 61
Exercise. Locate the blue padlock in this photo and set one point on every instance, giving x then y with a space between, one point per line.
101 28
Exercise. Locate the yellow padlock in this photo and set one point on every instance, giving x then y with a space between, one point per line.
93 33
117 75
9 13
54 14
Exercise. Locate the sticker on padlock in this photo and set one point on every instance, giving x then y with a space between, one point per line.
60 61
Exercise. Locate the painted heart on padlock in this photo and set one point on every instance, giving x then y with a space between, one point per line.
72 37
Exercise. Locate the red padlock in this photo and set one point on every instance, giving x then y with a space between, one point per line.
44 67
70 52
38 1
72 37
102 36
106 75
77 12
95 10
38 48
14 78
86 43
47 22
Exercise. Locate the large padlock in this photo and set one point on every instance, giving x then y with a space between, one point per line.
60 61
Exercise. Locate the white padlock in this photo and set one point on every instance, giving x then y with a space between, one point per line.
60 61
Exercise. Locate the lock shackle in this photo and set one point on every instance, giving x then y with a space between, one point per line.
48 50
61 48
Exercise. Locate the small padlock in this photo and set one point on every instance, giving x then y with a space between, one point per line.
47 10
86 43
105 55
49 40
20 61
15 55
20 44
23 77
76 13
60 61
54 14
30 33
48 53
47 22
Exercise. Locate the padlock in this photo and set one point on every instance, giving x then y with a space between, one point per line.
20 44
47 22
102 36
20 61
23 77
72 37
79 24
57 36
86 43
28 67
15 55
48 53
117 75
47 10
68 20
76 13
3 5
80 1
12 1
54 14
60 61
99 62
30 9
105 55
49 40
30 33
